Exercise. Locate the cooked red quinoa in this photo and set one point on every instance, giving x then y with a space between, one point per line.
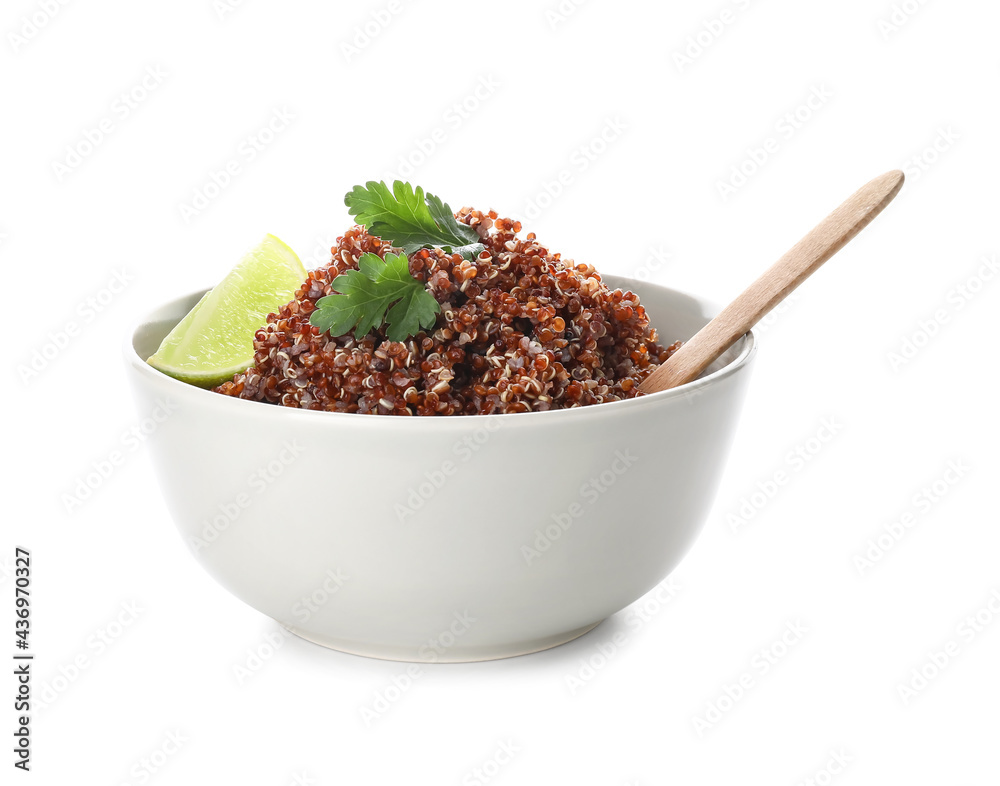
520 330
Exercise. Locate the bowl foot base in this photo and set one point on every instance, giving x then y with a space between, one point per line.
457 654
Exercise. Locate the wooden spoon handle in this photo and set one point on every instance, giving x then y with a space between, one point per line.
829 236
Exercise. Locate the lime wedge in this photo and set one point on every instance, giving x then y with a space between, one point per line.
215 339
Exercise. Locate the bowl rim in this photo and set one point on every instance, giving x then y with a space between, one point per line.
688 391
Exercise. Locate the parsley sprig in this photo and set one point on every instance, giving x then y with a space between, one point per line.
366 295
382 291
410 219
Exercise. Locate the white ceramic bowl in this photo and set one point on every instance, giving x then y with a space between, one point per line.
443 539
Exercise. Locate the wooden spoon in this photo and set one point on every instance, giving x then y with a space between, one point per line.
736 319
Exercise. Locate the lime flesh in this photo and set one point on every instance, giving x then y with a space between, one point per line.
215 338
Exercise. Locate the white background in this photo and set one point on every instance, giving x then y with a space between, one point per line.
914 88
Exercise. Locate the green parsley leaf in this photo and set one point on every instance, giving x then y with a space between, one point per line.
411 220
367 293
